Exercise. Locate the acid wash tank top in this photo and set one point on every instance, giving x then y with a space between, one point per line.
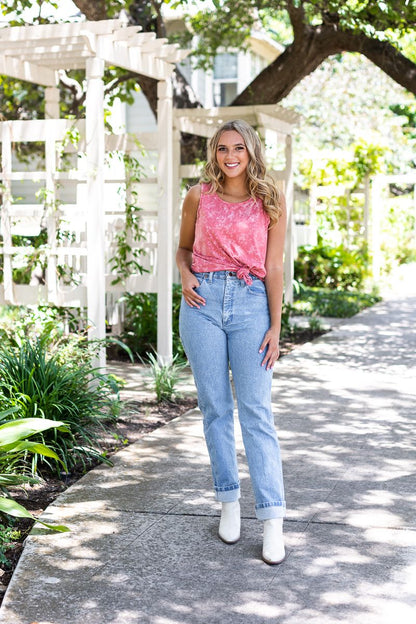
230 236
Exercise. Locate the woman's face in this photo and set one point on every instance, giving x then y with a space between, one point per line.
232 154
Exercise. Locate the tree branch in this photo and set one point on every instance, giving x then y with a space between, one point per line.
385 56
297 17
160 27
305 54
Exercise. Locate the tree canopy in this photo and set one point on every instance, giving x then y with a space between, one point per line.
314 29
318 29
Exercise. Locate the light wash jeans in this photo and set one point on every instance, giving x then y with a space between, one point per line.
227 332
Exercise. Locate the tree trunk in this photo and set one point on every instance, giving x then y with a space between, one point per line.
93 10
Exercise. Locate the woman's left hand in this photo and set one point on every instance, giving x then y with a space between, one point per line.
271 343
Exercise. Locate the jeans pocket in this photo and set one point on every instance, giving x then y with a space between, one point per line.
257 287
202 279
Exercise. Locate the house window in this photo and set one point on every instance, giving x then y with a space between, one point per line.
225 78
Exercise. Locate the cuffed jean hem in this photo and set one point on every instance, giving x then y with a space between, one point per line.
268 511
227 495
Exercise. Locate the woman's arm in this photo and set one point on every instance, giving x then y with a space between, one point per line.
274 287
186 243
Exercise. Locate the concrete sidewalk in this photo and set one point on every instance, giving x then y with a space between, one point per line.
143 547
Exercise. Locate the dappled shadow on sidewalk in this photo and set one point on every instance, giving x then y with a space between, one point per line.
143 546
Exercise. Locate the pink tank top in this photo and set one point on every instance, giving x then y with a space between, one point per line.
230 236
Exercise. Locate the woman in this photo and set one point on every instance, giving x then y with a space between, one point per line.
230 258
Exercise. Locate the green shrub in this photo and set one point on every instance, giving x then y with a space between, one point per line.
8 535
39 384
331 267
140 327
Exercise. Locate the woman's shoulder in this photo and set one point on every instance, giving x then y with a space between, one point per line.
195 191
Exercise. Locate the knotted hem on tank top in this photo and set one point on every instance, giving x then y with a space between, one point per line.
201 264
244 274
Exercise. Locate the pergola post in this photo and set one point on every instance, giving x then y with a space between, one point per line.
6 195
176 195
290 235
50 203
51 103
94 131
374 240
165 224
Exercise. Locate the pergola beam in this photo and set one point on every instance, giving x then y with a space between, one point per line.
28 71
42 32
34 53
133 59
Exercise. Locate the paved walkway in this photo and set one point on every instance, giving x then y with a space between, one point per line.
143 546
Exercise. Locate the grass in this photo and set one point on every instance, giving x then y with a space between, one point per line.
332 303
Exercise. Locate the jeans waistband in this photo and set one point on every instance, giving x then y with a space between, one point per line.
210 275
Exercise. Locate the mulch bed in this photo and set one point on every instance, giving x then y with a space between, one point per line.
139 419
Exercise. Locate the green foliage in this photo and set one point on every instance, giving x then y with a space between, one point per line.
331 267
344 102
140 326
408 113
14 446
41 385
127 259
286 328
21 100
234 24
368 159
165 377
365 157
332 303
10 507
61 330
8 535
398 229
140 329
231 21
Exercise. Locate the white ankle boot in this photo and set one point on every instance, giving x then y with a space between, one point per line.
229 530
273 544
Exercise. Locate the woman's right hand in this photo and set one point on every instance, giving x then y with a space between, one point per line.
189 285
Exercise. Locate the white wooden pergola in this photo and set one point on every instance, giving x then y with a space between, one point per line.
36 54
275 126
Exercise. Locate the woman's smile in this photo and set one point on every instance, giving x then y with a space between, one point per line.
232 154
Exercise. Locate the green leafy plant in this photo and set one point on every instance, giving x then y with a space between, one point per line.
331 267
14 445
140 328
128 256
8 535
41 385
165 377
286 328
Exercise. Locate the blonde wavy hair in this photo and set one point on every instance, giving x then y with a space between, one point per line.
260 184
